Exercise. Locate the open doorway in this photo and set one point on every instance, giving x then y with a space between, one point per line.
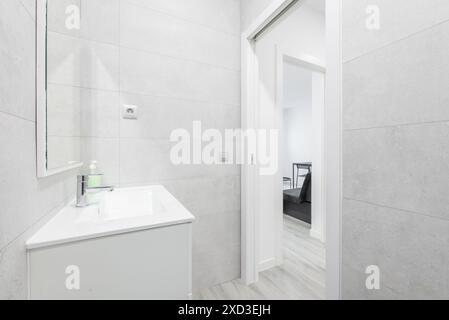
302 104
290 99
295 33
301 100
284 259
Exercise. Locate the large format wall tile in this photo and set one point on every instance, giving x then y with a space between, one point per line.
403 167
217 14
63 111
404 83
13 262
78 62
63 151
208 195
24 197
59 13
158 117
146 73
99 19
409 249
100 113
398 19
17 58
82 112
157 32
216 249
30 6
146 161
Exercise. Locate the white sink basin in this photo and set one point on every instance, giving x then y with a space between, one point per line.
121 211
133 203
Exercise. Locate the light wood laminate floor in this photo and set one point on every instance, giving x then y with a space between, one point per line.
301 277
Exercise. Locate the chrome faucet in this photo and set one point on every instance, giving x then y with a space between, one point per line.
83 190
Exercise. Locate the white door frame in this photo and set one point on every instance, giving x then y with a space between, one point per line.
332 144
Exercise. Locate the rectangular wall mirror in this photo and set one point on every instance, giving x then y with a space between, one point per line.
58 102
77 83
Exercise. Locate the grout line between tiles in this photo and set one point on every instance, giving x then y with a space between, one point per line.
236 35
412 124
16 116
149 52
53 211
26 9
397 209
394 42
147 95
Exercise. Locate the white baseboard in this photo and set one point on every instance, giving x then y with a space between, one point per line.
316 235
267 264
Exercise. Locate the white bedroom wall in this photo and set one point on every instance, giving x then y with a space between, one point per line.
297 116
297 137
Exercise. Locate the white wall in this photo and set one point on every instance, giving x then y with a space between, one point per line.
297 132
297 136
396 149
300 34
26 202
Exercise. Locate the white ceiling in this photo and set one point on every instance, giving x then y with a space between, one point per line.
297 87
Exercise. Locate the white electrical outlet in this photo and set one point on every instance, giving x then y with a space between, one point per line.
130 112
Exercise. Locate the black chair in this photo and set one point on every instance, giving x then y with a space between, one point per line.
298 202
288 180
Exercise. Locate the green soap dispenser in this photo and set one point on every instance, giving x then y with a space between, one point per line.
95 178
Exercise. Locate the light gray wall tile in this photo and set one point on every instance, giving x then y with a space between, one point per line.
63 151
24 197
63 111
82 63
147 160
156 32
13 262
58 15
100 113
17 58
398 19
208 195
409 249
159 116
217 14
401 84
215 255
100 20
30 6
146 73
401 167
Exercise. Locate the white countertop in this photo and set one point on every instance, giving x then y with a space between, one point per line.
122 211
